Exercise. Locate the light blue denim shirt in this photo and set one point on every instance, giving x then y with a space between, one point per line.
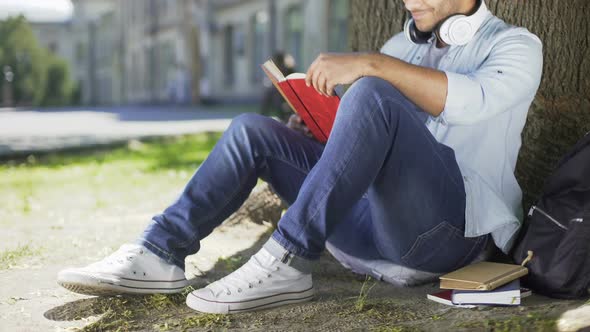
492 82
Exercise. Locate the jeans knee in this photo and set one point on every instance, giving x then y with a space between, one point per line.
374 87
248 120
251 123
251 128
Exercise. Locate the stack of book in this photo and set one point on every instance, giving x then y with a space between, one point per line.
483 283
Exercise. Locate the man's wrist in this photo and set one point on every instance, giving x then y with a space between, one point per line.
370 63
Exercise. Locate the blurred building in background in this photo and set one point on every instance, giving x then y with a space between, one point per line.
190 51
92 66
134 51
241 35
160 43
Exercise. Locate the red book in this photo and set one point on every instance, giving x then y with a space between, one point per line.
317 111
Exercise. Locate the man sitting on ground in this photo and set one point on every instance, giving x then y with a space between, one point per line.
418 170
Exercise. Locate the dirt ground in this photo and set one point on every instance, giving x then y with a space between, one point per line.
32 301
56 217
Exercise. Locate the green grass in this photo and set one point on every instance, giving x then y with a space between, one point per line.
100 179
10 258
361 300
155 155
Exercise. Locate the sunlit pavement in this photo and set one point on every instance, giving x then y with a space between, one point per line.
25 131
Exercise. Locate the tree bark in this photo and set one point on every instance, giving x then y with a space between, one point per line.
560 114
263 205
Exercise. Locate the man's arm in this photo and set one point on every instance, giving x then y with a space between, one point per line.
425 87
509 77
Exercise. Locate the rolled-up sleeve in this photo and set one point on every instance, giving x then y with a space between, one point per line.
508 77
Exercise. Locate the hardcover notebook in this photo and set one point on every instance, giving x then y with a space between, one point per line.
446 297
509 294
317 111
482 276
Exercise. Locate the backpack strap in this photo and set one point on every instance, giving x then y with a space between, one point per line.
528 258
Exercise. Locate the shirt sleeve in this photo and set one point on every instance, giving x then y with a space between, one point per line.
510 76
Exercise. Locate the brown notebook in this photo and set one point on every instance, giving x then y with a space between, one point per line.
483 276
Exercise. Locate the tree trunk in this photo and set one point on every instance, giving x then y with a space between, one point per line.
261 206
560 114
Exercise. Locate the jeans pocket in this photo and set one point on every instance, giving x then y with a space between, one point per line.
441 249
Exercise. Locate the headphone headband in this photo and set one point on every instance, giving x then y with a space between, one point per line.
456 29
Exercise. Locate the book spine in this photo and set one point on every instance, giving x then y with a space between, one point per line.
503 279
311 122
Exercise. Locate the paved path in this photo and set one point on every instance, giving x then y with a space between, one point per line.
27 131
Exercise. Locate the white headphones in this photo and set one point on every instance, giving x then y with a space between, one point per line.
456 29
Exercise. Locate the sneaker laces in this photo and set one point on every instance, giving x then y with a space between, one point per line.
248 276
126 253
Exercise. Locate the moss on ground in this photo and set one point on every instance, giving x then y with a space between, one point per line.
160 312
9 258
530 322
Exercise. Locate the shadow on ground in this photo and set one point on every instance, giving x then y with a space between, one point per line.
338 306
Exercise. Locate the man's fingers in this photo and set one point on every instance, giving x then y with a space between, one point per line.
319 83
309 75
310 72
330 89
324 86
314 79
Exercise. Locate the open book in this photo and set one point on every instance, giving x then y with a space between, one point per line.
317 111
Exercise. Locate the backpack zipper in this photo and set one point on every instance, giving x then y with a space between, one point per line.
535 208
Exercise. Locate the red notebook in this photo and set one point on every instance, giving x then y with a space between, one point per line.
317 111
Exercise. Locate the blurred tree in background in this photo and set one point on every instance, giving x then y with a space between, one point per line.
58 88
39 78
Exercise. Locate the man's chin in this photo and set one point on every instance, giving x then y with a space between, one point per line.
424 27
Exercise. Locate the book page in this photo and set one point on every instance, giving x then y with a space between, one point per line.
272 70
295 76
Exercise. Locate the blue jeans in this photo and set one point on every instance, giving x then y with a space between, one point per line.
381 188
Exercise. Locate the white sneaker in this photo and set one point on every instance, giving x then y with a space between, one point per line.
263 282
575 320
131 269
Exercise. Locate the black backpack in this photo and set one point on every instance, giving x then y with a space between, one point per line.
557 230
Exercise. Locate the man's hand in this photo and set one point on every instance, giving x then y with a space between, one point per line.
297 124
329 70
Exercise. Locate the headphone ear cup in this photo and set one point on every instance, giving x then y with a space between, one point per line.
445 32
460 29
414 35
457 31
